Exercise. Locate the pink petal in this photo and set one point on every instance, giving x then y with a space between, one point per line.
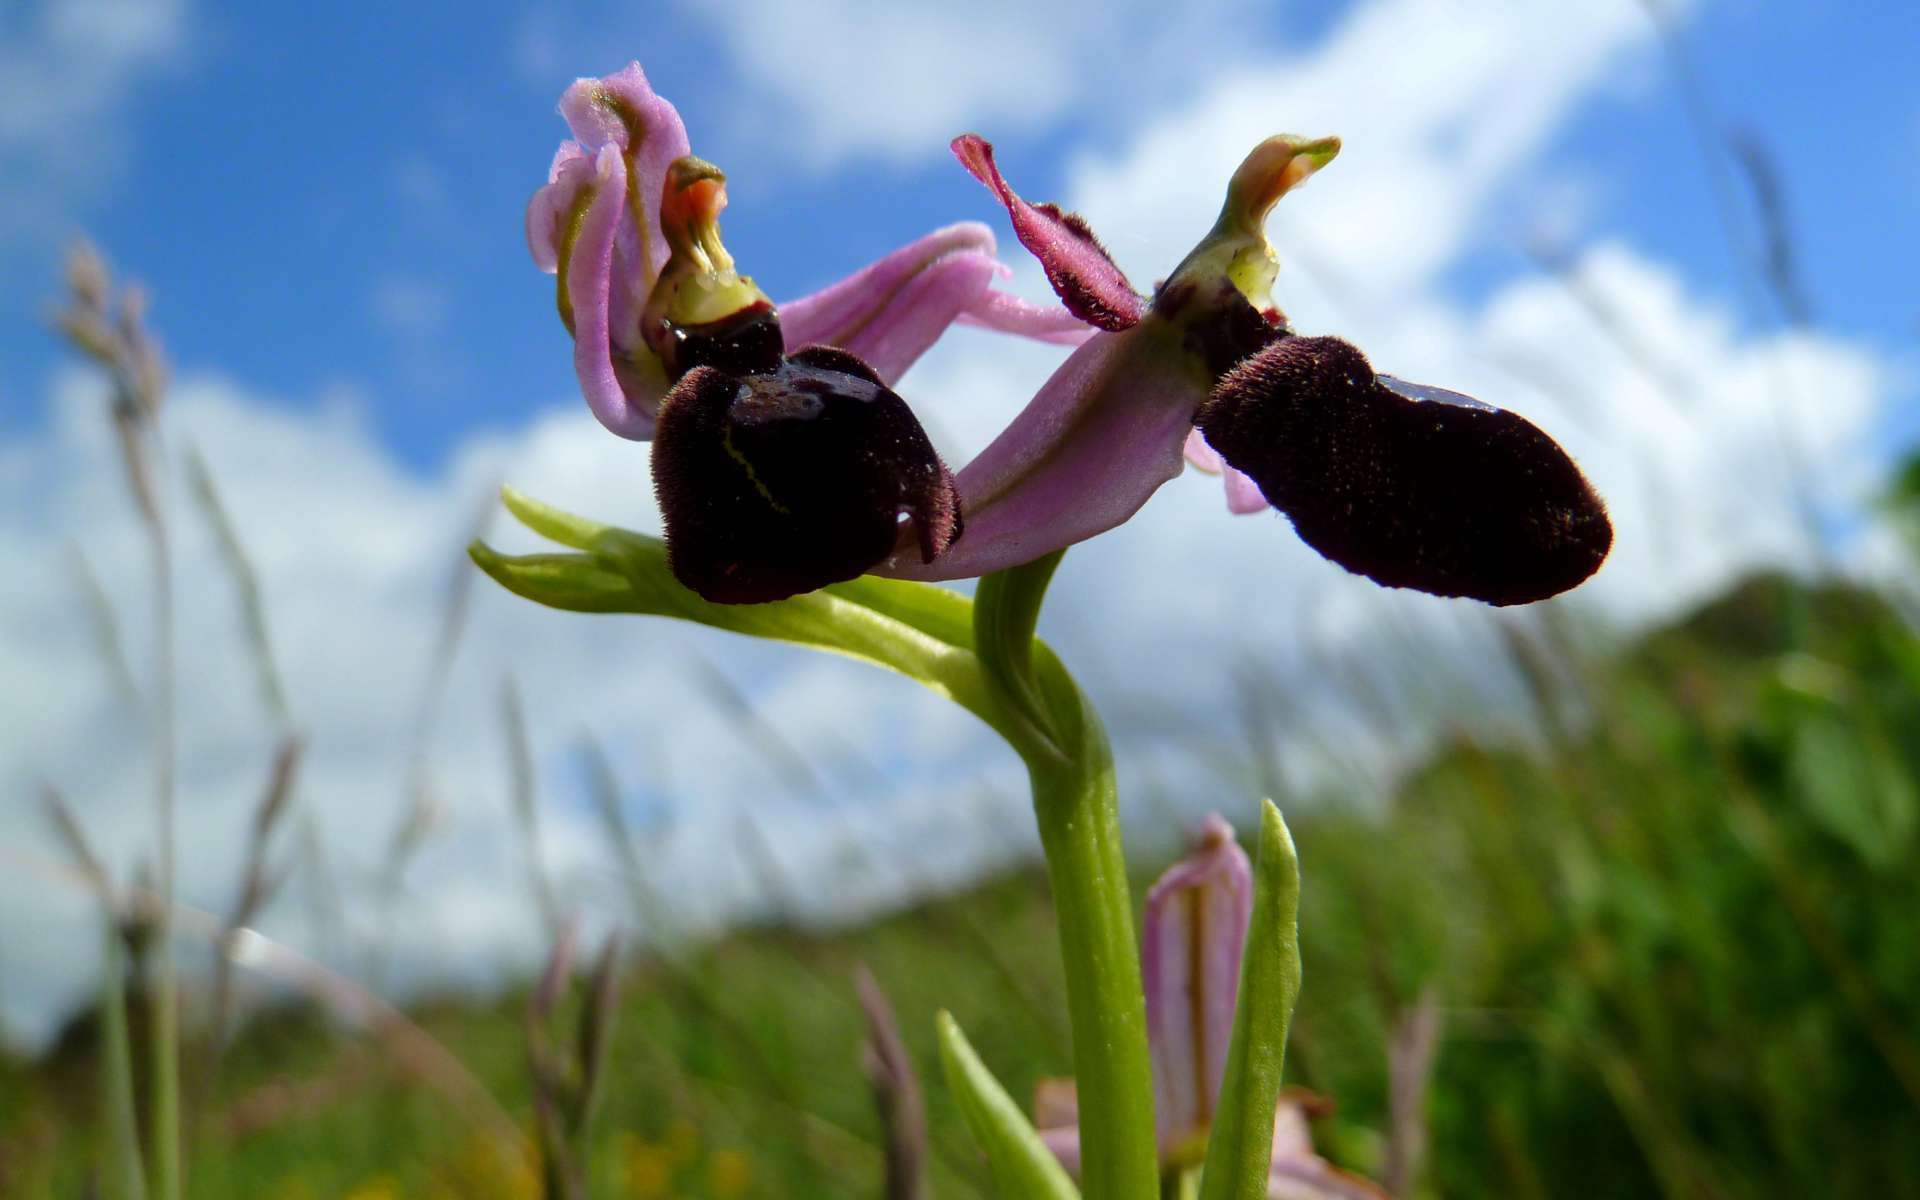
889 313
1087 451
1056 1118
547 212
1056 1103
1314 1178
1005 312
1193 932
590 268
1203 456
1065 1144
1243 494
622 110
1292 1135
1077 265
1295 1172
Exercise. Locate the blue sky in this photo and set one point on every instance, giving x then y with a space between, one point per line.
329 214
322 204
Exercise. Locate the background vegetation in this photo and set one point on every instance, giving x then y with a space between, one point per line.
1670 940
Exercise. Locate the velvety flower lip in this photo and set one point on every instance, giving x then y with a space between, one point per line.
1408 485
597 225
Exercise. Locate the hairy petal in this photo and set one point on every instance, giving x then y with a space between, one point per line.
1081 271
1192 935
1087 451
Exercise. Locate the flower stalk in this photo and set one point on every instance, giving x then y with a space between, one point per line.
1076 805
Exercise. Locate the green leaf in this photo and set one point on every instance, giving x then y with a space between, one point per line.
549 522
1239 1152
922 631
1022 1165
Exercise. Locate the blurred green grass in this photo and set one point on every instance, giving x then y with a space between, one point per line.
1673 941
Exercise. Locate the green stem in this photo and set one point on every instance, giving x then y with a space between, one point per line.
125 1181
1070 764
1079 816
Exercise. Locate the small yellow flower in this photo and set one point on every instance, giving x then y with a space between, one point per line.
728 1174
682 1142
649 1169
380 1187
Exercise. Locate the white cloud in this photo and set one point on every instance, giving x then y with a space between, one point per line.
1438 105
1684 434
853 78
67 67
353 554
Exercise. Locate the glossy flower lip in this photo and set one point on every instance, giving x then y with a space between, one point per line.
793 474
597 226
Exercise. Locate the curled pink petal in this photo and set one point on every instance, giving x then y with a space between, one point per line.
1193 932
1088 450
889 313
1081 271
1243 494
622 110
551 207
589 271
1005 312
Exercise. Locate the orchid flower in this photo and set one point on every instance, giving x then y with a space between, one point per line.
777 474
1409 485
1192 937
788 466
597 226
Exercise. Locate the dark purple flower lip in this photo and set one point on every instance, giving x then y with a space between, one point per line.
785 479
1409 485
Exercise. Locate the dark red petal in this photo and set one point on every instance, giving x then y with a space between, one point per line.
1081 271
1456 499
784 481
